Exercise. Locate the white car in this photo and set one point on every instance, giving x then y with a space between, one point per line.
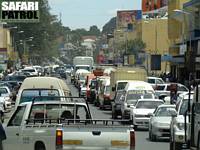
164 89
6 95
177 130
159 123
154 81
140 112
32 70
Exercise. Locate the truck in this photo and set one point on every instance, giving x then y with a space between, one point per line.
55 125
120 77
82 62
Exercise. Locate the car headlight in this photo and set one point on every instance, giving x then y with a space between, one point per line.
180 126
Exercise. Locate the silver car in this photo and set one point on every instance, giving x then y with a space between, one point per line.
159 123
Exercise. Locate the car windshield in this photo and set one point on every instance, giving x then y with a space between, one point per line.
165 111
39 95
148 104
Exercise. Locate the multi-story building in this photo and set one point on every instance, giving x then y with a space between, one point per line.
176 38
155 36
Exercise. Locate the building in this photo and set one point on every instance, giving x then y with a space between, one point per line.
192 34
89 42
176 38
155 35
127 29
7 53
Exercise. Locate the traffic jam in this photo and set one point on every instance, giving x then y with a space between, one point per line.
39 110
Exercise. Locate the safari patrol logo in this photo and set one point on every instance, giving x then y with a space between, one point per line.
19 11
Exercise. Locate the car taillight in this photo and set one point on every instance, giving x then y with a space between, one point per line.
132 140
59 139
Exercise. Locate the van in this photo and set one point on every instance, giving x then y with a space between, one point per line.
133 91
104 95
41 86
89 77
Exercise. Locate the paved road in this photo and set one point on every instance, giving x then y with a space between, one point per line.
142 141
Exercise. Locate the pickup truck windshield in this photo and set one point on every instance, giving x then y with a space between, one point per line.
27 95
56 111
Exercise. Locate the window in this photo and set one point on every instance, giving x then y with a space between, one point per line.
28 95
152 81
182 88
121 86
158 81
16 119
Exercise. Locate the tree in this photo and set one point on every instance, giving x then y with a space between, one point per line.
134 46
94 30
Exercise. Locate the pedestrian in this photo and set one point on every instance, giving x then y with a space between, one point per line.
2 136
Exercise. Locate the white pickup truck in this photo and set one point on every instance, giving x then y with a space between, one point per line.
53 125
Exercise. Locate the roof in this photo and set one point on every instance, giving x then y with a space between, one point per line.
44 82
138 85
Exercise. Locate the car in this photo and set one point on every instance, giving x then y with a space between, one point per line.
135 90
163 90
41 86
154 81
31 70
6 95
159 123
116 104
177 129
140 112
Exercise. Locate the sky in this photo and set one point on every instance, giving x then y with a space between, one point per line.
85 13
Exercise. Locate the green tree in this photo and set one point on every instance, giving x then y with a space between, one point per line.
94 30
134 46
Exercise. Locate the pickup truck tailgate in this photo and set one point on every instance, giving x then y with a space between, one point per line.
93 138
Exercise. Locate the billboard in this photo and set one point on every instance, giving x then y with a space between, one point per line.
127 18
151 5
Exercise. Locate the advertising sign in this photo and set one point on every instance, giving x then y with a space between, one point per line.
128 18
151 5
